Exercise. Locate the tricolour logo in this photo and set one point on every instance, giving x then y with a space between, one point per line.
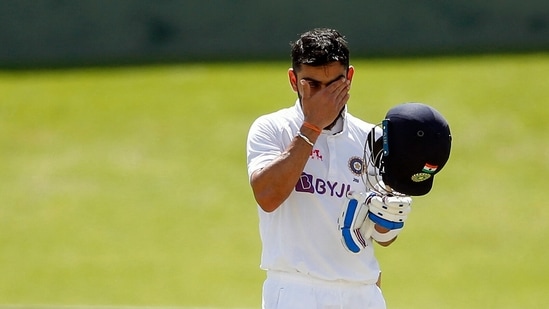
429 168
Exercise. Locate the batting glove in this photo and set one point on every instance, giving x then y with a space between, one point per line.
353 223
389 211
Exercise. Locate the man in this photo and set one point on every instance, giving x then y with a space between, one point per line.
303 161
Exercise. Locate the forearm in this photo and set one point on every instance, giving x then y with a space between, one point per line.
273 184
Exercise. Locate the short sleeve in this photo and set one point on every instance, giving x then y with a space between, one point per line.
263 144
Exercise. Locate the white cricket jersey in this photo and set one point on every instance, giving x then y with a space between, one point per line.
302 234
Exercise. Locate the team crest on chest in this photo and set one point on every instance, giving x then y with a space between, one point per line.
356 165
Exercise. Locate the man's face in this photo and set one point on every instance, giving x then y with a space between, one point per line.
318 77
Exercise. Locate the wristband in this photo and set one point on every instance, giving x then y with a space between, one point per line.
385 237
305 138
312 127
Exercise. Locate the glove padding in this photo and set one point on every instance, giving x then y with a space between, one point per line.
353 223
363 210
389 211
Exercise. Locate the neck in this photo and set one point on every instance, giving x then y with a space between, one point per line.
331 125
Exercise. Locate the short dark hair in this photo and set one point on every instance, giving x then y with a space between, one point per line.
318 47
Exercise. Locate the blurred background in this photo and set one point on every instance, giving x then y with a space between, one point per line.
122 146
58 32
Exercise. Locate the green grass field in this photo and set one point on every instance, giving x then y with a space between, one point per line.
128 186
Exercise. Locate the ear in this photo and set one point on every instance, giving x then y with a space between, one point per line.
292 76
350 73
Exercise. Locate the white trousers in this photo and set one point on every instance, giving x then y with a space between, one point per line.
295 291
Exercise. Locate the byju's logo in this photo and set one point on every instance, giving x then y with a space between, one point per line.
307 183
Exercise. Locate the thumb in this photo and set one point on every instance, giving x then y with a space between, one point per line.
306 89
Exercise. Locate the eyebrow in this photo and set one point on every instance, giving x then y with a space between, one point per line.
327 84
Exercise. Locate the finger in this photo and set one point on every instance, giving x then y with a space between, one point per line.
397 201
343 93
337 86
342 98
381 205
341 90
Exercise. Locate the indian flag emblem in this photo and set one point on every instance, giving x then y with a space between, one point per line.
429 168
